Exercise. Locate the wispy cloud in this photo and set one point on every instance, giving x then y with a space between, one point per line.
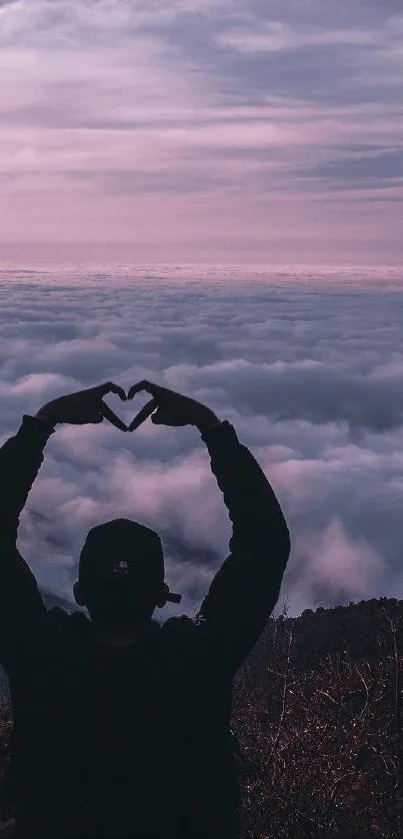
264 116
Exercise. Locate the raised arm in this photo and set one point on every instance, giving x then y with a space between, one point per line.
245 590
20 602
21 457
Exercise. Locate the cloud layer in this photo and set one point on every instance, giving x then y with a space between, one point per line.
309 375
141 125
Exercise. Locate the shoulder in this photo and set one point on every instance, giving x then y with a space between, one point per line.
181 633
51 635
178 627
58 617
180 630
58 625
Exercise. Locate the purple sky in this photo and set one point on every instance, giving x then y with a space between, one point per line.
240 131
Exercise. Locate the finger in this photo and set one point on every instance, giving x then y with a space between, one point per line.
111 417
144 385
143 414
110 387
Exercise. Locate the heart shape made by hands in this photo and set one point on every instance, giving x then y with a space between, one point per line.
128 414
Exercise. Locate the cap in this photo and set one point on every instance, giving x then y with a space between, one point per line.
122 549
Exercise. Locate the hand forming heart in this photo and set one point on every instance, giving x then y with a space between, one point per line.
87 406
172 408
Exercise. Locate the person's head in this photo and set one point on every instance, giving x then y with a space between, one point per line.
121 576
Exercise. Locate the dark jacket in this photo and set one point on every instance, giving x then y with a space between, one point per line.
134 741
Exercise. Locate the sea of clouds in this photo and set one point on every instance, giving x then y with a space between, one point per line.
307 367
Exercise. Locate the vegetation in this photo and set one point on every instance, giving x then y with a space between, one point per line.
6 726
317 711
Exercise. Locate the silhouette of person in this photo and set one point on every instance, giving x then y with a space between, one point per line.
121 722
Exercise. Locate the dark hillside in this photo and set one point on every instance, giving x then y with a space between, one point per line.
317 708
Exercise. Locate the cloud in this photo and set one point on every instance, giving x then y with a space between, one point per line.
332 562
138 124
309 375
284 390
363 170
276 36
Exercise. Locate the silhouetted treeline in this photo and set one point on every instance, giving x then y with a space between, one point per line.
317 710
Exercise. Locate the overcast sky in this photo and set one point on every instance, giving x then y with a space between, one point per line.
233 131
310 377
